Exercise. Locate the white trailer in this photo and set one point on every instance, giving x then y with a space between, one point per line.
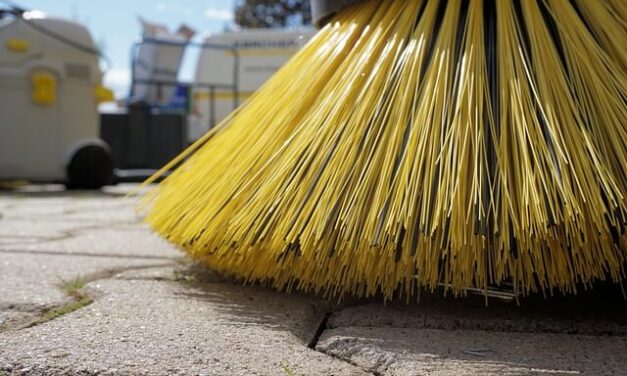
231 66
159 61
50 86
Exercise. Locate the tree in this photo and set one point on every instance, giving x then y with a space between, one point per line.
272 13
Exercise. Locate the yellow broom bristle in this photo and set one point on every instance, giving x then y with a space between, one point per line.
422 143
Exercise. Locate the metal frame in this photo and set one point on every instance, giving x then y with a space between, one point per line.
323 10
189 85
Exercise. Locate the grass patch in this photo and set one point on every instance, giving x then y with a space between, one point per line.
180 276
287 369
79 299
72 287
64 310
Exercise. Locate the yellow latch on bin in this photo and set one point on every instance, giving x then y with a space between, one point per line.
102 94
16 45
44 86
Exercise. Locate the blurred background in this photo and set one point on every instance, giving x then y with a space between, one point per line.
123 86
114 23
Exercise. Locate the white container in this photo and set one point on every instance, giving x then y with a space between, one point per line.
48 97
157 62
260 53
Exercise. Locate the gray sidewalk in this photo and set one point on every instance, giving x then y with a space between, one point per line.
86 288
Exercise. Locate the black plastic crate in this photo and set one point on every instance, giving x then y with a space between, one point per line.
141 139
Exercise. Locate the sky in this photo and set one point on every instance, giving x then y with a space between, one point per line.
114 26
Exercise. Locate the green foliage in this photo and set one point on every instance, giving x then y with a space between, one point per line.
272 13
73 287
287 369
79 299
64 309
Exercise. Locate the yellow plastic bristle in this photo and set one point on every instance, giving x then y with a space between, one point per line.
416 144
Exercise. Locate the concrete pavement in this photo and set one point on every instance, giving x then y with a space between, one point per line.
86 288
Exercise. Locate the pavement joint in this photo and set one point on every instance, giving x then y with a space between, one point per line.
109 273
88 254
131 304
434 320
345 349
54 219
65 234
371 371
72 305
22 307
322 326
313 344
194 270
77 298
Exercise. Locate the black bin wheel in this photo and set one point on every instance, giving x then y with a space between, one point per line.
91 167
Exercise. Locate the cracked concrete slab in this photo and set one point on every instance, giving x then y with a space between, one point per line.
124 242
33 279
28 231
155 312
165 273
443 336
74 213
409 351
160 327
145 320
52 204
602 312
11 317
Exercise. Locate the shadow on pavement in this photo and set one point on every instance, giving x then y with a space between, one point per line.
57 191
254 304
601 311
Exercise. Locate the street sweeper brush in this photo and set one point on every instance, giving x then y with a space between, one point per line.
419 144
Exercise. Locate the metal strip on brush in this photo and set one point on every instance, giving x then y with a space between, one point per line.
323 10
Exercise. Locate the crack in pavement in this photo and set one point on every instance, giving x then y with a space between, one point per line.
313 343
540 326
44 220
109 273
22 307
322 326
88 254
69 234
382 362
29 322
